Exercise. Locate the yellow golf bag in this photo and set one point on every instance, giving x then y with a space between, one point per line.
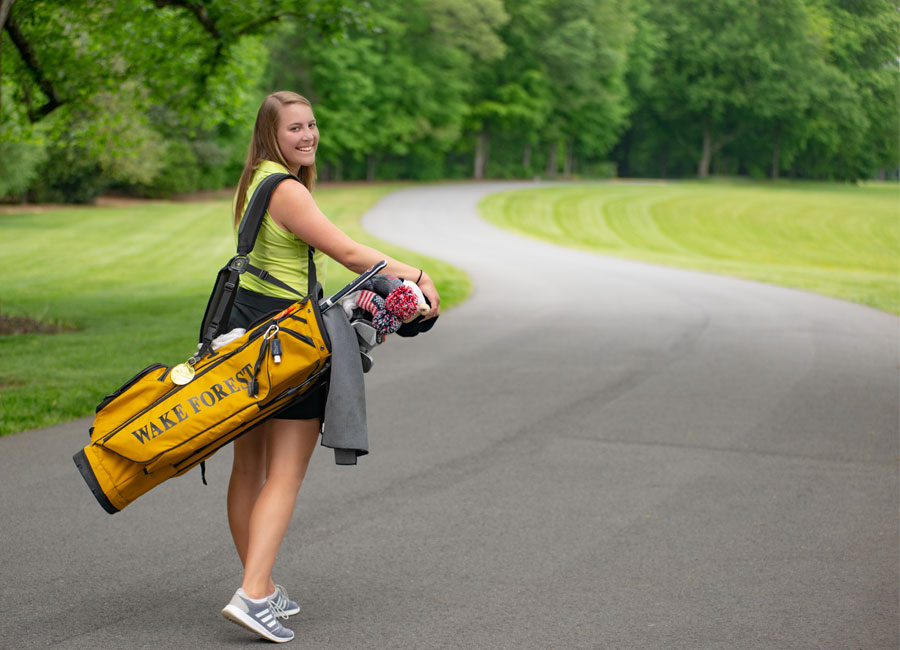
167 419
153 428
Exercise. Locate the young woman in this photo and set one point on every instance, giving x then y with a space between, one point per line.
271 460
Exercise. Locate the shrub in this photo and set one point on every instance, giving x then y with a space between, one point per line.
20 164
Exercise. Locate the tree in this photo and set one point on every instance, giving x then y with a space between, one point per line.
856 128
112 82
393 97
584 51
709 70
512 95
773 85
559 86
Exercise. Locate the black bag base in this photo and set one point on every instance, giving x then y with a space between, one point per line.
87 474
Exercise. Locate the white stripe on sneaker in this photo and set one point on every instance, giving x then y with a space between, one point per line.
257 618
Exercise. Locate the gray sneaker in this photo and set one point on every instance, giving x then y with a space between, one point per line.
256 617
282 605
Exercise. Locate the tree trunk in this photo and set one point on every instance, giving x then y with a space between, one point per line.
4 9
625 151
776 152
710 148
703 166
481 155
370 168
526 159
552 162
569 162
29 58
5 6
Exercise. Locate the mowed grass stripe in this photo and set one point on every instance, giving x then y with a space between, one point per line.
69 249
839 240
133 282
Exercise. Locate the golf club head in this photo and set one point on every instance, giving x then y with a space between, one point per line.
366 334
367 361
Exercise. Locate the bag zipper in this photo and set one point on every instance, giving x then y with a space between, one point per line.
188 461
298 335
290 391
175 389
259 331
128 384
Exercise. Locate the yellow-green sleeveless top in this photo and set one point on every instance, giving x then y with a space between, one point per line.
278 251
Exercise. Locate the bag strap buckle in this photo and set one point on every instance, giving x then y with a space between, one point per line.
239 263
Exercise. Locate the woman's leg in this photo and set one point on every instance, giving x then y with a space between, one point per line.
248 472
289 445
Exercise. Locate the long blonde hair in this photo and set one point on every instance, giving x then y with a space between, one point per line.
264 146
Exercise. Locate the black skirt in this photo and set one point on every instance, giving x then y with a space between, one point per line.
250 307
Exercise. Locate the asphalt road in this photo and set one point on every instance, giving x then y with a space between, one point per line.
589 453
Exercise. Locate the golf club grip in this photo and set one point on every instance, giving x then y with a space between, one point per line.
327 303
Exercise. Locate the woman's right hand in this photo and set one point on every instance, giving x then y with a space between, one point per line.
430 292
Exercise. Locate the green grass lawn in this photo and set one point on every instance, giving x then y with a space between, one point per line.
838 240
132 284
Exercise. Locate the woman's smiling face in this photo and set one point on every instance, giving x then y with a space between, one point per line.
298 136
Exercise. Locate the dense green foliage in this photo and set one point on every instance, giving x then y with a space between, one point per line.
833 239
157 97
151 97
763 87
130 284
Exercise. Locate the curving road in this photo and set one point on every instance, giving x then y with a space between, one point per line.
589 453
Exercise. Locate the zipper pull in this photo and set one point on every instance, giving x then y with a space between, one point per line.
275 348
267 339
254 382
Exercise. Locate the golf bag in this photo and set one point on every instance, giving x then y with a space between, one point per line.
168 419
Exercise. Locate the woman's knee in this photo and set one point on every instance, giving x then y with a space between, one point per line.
290 447
250 454
286 483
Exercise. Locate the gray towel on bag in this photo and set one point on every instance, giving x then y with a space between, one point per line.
345 428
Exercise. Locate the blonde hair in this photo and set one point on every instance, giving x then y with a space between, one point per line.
264 146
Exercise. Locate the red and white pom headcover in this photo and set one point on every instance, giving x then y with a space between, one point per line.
402 302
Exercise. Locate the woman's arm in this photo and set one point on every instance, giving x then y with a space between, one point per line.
293 208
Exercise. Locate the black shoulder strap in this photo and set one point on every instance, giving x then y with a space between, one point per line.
256 209
249 230
221 300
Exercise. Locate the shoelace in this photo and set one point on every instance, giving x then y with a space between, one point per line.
277 609
280 602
